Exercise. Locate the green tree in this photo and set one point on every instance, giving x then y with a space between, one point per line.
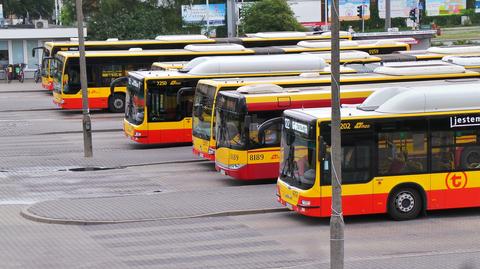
135 19
32 9
68 13
269 15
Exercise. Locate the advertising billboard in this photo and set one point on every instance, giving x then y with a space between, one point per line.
348 9
307 13
197 14
444 7
398 8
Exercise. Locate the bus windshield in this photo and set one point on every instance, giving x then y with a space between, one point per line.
202 111
237 129
135 102
298 160
56 69
229 122
230 130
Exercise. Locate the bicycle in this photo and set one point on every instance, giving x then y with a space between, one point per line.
37 75
19 72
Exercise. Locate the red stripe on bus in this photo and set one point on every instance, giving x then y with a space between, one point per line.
76 103
162 136
252 171
368 203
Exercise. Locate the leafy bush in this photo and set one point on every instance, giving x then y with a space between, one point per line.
268 16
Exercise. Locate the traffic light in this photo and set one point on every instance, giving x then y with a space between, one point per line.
360 11
413 14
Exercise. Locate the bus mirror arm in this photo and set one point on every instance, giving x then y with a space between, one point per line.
117 81
37 48
264 126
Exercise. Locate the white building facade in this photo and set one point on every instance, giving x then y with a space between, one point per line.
16 45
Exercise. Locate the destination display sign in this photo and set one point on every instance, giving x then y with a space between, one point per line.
464 121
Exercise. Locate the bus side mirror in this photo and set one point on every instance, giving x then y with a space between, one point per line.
246 125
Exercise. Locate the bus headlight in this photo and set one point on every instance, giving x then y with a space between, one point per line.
305 203
211 151
137 134
235 166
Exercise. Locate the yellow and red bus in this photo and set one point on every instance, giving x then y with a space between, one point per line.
248 122
104 66
204 143
50 49
168 108
404 151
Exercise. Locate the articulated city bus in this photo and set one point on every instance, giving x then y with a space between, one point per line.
248 122
404 151
104 66
50 49
203 117
169 94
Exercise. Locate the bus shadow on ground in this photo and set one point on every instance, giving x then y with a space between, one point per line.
381 218
231 182
137 146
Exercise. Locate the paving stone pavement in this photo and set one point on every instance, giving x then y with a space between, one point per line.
193 243
246 199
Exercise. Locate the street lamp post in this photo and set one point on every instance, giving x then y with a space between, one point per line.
86 121
336 219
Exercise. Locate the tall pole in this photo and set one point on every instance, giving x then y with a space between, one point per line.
56 12
231 18
363 16
388 20
208 17
326 12
87 124
336 219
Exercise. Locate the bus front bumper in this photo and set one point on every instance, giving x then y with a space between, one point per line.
201 148
157 137
304 209
248 172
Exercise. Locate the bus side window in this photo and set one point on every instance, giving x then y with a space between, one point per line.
356 158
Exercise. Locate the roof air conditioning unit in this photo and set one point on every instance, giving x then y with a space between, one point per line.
40 24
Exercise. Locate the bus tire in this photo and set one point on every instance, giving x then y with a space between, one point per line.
404 203
116 103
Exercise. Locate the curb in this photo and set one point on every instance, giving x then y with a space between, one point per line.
31 216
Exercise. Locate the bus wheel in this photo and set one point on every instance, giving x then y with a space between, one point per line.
404 204
116 103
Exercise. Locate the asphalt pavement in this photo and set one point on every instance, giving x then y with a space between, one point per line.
162 207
